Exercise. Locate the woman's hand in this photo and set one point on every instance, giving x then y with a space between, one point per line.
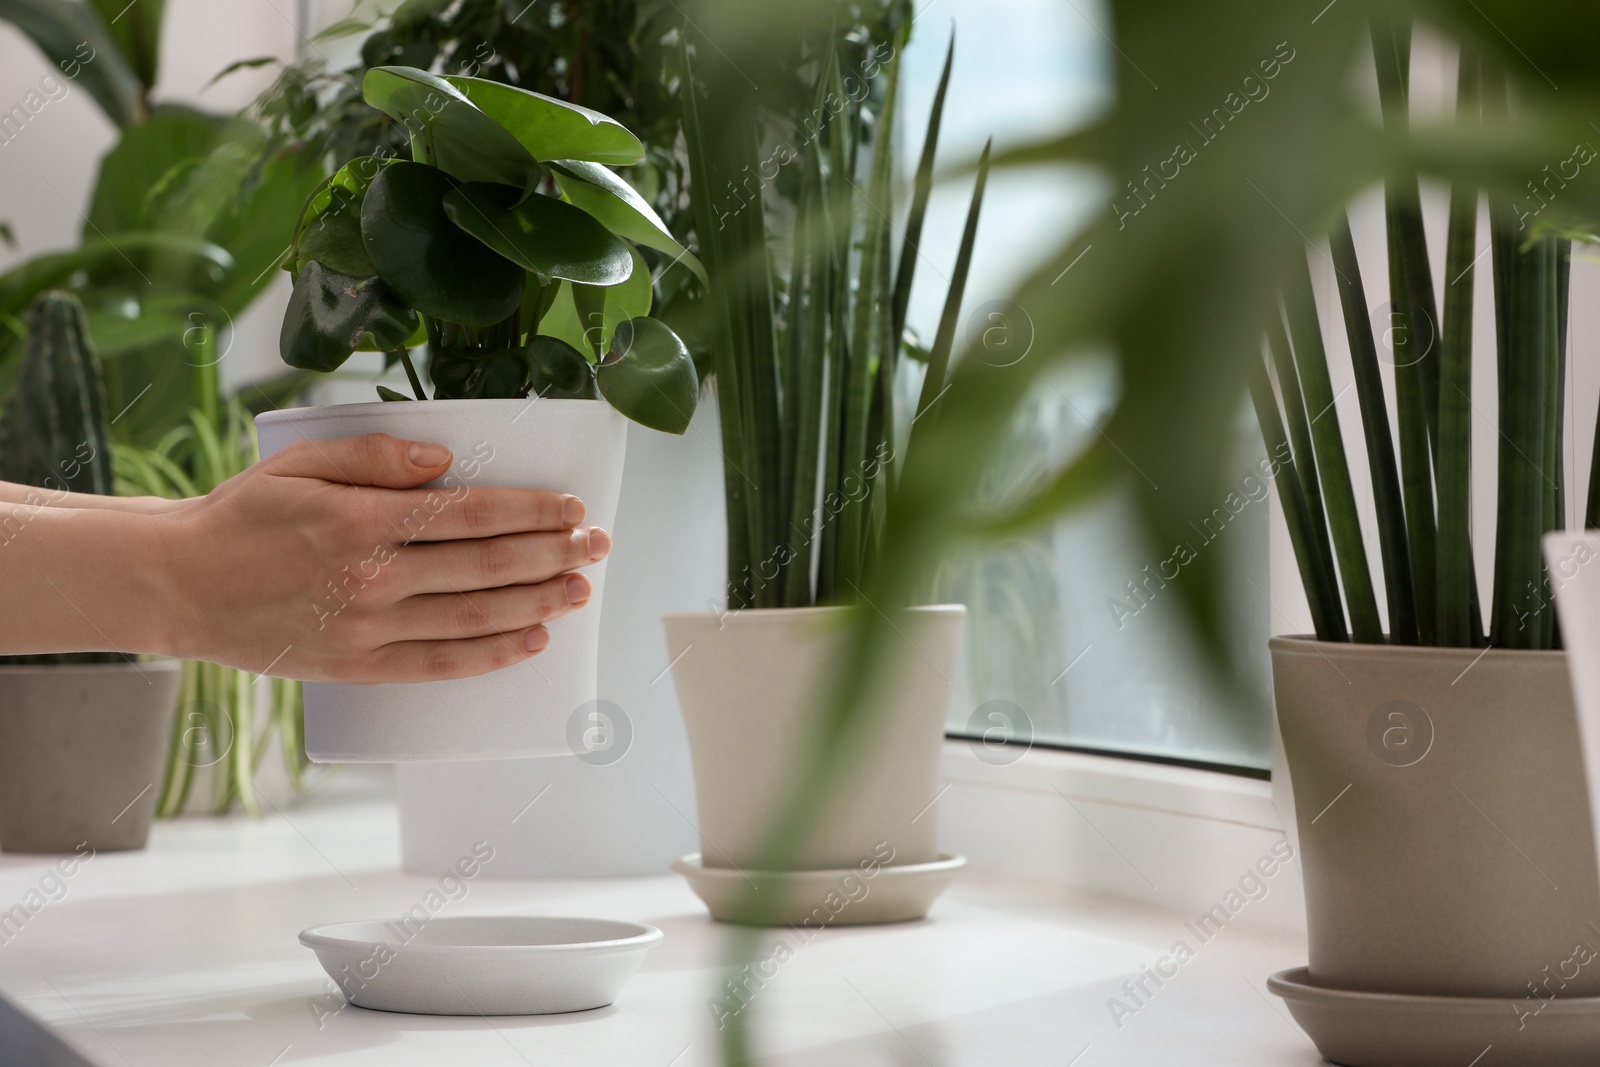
325 562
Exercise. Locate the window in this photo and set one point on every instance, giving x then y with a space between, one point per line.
1073 639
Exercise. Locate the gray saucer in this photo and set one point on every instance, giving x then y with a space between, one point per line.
1359 1029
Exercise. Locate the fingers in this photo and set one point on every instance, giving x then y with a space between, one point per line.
458 615
444 515
437 661
490 562
373 459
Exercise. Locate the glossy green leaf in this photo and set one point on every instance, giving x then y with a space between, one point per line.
540 234
557 371
330 314
549 128
329 230
648 376
454 135
430 262
620 208
476 374
575 311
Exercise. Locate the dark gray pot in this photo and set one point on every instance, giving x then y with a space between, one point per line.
82 751
1444 818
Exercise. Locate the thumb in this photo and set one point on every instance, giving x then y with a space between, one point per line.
373 459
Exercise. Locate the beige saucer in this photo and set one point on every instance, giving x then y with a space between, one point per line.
844 897
1410 1030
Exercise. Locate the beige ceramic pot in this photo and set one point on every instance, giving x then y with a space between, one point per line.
750 685
82 751
1444 819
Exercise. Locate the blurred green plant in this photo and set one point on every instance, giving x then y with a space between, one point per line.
1179 277
188 214
226 717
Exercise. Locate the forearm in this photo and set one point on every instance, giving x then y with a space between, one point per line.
33 496
83 580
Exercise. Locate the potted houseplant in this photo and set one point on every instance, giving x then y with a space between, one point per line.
83 734
1439 791
807 391
503 247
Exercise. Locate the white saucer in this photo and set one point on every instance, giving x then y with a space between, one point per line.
1362 1029
845 897
481 965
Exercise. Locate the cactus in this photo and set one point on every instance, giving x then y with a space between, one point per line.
54 431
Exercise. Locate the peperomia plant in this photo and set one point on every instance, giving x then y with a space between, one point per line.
506 245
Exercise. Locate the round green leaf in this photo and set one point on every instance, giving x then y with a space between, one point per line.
330 314
574 312
619 207
648 376
549 128
434 265
452 132
478 374
559 371
329 229
540 234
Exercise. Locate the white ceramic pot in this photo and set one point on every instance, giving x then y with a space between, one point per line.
751 683
627 806
570 446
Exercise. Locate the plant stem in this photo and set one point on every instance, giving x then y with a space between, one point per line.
411 373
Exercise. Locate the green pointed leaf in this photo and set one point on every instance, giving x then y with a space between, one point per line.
620 208
558 371
549 128
648 376
385 393
540 234
330 314
433 264
476 374
136 28
451 131
145 154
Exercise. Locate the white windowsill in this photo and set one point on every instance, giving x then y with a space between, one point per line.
186 953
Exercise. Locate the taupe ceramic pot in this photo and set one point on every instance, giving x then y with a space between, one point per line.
82 751
1443 815
750 685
